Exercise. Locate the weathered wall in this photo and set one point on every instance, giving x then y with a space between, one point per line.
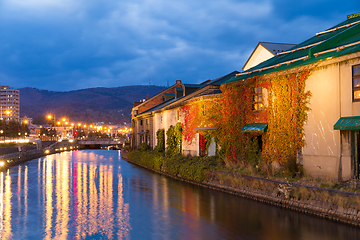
327 152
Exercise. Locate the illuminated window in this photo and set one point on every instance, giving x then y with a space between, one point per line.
356 83
257 99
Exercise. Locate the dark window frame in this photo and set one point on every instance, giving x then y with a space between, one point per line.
257 99
353 77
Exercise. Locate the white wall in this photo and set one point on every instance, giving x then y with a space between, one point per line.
259 55
327 153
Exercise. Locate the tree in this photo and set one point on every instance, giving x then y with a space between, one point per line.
14 128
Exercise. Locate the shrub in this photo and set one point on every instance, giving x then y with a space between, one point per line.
144 147
173 141
160 135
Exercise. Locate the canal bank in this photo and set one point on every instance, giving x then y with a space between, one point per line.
46 148
333 204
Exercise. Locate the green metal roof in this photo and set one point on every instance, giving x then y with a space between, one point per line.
312 50
255 127
348 123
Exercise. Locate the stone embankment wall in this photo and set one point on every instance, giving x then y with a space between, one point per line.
336 205
51 147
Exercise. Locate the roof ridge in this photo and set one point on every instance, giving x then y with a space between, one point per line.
336 28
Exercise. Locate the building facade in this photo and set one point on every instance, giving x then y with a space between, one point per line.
9 103
328 64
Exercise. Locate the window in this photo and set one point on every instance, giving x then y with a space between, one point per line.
203 110
356 83
141 122
147 121
257 99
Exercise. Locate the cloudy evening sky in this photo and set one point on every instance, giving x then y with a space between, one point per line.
73 44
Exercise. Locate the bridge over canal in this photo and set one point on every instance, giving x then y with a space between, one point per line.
99 142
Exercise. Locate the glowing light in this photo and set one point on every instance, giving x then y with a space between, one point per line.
47 151
2 164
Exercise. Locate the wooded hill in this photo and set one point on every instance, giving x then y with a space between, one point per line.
108 105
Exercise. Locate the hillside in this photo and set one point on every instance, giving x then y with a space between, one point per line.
91 105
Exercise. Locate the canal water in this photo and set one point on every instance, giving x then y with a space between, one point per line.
94 194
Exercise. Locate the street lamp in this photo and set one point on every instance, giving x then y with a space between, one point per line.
7 112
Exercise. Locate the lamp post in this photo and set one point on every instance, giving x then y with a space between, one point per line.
50 117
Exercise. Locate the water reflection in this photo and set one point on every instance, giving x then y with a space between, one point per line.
96 195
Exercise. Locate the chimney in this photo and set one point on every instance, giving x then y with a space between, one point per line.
147 98
178 81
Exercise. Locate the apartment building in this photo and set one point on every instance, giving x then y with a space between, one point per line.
9 103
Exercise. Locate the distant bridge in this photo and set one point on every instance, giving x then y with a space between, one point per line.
101 141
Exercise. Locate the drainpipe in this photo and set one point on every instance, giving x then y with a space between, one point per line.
356 156
341 145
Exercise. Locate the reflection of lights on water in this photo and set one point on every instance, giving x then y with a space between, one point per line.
80 195
1 201
7 207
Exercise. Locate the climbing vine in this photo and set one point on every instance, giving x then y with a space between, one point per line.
285 110
200 113
236 112
174 140
160 135
285 114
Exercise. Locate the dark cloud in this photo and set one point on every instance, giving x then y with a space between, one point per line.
68 44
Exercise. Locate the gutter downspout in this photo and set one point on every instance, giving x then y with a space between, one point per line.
341 143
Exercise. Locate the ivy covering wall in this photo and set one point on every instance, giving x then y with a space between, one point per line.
160 135
285 112
174 140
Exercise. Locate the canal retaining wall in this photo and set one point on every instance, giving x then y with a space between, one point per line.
332 204
51 147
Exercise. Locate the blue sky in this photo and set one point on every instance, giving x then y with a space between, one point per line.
63 45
